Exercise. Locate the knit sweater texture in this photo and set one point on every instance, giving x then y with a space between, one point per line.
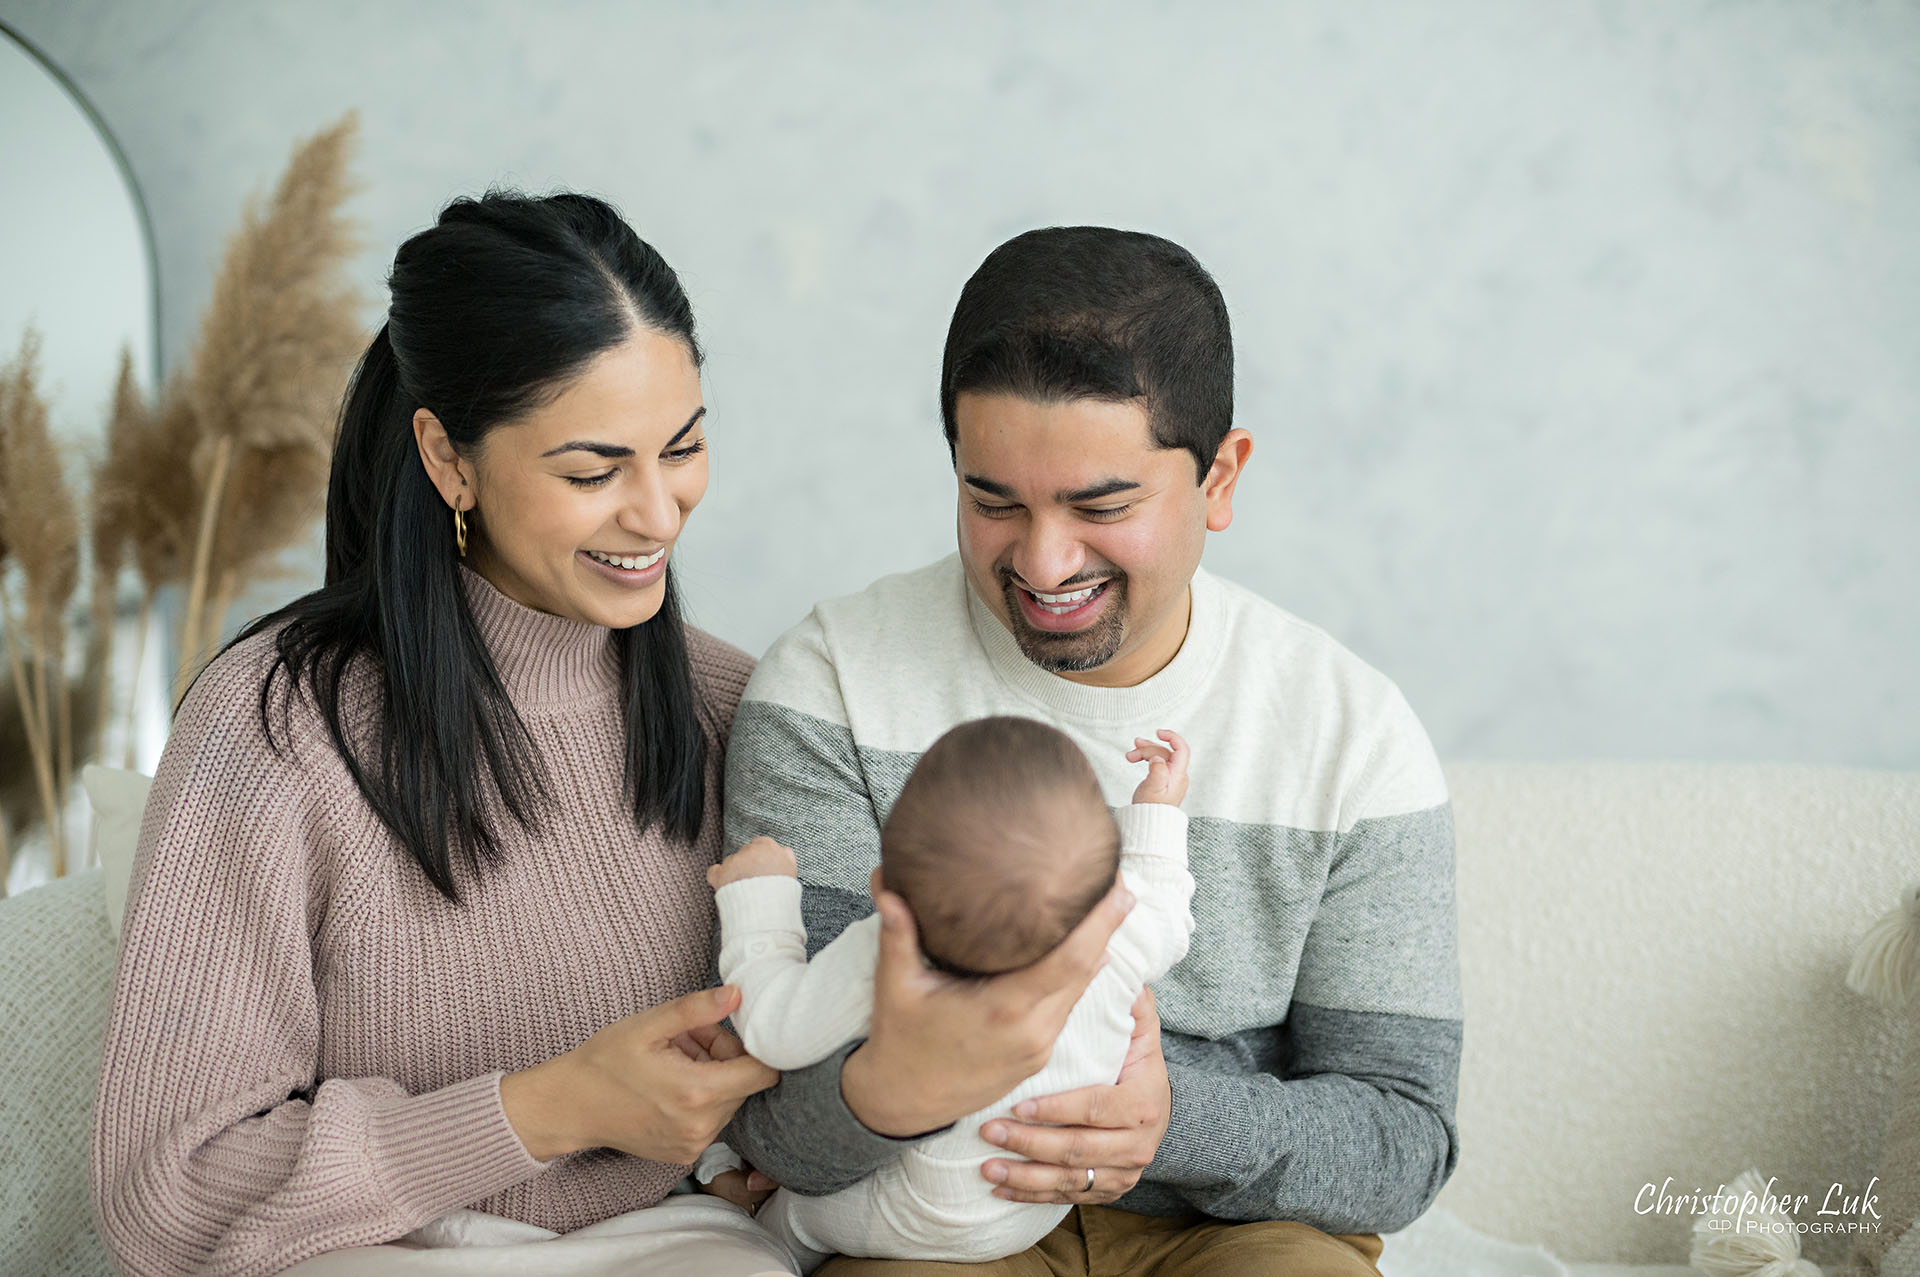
1312 1032
307 1038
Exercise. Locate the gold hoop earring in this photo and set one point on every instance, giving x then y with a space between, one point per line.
460 530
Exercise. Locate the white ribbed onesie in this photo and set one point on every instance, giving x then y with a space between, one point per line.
932 1202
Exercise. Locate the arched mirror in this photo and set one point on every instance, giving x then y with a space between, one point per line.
77 265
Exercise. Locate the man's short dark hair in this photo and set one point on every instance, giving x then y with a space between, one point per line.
1088 312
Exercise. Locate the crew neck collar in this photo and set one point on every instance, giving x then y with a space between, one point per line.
1144 702
541 658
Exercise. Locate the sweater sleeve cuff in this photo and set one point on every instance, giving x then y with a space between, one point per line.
1206 1134
439 1151
839 1123
770 903
1152 829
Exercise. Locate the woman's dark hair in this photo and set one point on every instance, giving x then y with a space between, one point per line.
1088 312
494 311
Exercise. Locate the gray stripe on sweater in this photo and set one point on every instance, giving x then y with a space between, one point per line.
1380 1089
1377 1087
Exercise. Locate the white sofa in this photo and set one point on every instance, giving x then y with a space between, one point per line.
1653 958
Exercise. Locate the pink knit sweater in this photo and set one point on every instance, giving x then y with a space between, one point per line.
307 1039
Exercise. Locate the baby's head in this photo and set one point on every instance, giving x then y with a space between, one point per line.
1000 843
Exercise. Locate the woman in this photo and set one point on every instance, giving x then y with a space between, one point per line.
419 917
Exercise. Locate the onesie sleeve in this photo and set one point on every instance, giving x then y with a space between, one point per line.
1153 864
794 774
793 1012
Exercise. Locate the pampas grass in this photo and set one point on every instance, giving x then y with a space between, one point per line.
41 527
265 382
199 490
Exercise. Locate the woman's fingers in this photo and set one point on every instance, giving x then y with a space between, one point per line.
736 1079
691 1011
720 1044
692 1047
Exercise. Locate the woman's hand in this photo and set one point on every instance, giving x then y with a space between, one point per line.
1114 1131
941 1048
635 1086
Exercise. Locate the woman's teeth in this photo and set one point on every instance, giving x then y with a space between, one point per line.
631 562
1061 604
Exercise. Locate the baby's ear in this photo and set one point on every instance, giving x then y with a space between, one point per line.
873 882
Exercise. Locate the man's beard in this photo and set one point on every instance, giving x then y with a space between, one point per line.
1080 650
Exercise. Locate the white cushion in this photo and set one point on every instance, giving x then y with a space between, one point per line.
56 981
119 799
1653 959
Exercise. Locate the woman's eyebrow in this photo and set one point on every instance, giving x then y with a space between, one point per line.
616 451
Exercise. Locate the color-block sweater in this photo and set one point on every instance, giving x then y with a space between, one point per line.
307 1039
1312 1032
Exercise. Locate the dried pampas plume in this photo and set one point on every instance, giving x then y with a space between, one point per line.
200 490
265 381
41 529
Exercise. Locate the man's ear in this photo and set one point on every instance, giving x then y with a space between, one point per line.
1229 463
449 472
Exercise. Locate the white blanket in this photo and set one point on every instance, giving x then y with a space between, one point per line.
701 1236
684 1236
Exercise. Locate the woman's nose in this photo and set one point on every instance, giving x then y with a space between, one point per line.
651 510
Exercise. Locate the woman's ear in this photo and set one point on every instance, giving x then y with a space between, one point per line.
449 471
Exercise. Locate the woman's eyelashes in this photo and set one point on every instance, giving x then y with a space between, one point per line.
673 456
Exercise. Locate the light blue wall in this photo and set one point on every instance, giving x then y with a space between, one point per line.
1581 341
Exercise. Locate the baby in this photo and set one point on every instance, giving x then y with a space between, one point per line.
1000 843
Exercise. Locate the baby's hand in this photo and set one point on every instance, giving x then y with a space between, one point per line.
761 858
1166 780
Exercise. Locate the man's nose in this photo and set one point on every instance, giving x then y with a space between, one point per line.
1048 555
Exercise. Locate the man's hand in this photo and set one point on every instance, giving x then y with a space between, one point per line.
1114 1131
761 858
963 1043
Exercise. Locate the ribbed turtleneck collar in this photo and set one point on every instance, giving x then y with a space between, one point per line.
542 659
1146 701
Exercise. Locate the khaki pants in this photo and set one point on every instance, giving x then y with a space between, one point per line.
1098 1241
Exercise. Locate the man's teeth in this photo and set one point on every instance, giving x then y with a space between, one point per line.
1061 604
631 562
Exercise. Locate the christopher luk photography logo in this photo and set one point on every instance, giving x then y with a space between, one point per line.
1733 1210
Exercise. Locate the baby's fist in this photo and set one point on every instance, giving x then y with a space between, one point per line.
1166 780
761 858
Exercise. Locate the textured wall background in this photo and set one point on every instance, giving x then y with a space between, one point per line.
1579 341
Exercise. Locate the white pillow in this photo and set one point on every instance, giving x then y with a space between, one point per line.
119 800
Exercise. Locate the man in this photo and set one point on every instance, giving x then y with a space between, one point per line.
1295 1094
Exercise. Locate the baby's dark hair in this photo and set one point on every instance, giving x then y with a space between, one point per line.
1000 843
